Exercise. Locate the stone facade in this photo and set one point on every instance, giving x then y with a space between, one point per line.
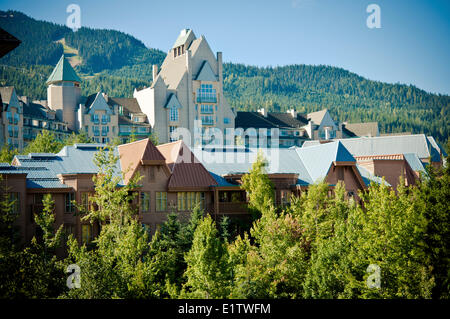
188 88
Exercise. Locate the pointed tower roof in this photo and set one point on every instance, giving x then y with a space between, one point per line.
63 71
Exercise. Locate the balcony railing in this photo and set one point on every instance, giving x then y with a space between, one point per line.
206 99
233 208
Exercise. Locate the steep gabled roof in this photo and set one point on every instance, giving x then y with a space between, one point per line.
318 159
206 73
187 171
136 153
97 103
317 117
63 72
6 93
173 101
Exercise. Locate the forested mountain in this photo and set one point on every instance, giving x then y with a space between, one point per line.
116 63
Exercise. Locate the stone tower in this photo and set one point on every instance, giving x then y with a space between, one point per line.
64 93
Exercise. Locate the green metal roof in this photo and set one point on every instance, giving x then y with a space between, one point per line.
63 71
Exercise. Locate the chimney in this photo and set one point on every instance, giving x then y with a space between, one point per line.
293 113
262 111
154 71
188 61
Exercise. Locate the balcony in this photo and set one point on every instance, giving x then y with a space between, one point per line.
233 208
207 109
206 99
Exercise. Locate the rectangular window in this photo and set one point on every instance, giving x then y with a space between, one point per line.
340 173
207 108
188 200
96 130
171 130
86 233
142 129
207 120
69 198
94 118
124 129
9 117
15 202
206 93
161 201
151 173
85 201
226 120
105 130
105 118
145 202
285 197
173 114
68 230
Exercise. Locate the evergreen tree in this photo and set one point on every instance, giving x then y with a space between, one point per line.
208 272
45 142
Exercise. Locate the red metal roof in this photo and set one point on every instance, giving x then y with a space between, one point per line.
187 171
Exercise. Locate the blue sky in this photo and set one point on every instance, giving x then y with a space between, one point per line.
412 46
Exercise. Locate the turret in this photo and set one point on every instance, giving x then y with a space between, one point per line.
64 93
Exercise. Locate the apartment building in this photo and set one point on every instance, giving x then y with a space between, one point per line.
295 128
175 179
394 156
37 116
186 91
11 118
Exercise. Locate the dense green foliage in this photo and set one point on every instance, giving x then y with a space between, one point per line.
348 97
45 142
320 246
110 49
117 63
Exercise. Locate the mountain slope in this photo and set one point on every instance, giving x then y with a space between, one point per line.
116 63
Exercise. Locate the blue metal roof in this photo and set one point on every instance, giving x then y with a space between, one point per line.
311 164
414 162
42 169
318 159
388 145
368 177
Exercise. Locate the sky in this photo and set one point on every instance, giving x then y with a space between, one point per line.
412 46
